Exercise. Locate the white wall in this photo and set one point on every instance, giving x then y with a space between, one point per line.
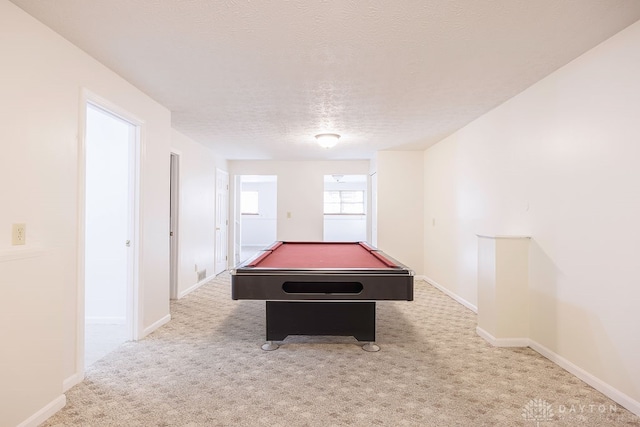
300 191
40 105
345 228
400 185
196 216
559 162
30 360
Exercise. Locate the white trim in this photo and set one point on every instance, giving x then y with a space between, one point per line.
502 342
156 325
80 237
71 381
138 281
133 314
449 293
503 236
604 388
46 412
258 245
174 223
218 252
194 287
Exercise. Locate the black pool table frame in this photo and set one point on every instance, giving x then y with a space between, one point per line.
336 302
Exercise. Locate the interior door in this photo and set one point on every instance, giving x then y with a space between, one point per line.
222 220
174 188
237 220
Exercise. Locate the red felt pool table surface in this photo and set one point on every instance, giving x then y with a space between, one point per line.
283 255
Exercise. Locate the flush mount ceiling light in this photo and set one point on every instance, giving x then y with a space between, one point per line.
327 140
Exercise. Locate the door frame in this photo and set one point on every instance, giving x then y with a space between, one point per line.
237 219
174 224
224 240
134 303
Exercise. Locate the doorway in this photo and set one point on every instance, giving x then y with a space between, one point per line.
222 221
258 208
109 229
345 208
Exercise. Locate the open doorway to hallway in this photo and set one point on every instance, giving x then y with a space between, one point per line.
345 208
258 217
110 153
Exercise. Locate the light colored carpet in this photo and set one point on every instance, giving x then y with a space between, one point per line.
206 368
102 339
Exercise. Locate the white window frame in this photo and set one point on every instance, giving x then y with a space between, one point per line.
343 203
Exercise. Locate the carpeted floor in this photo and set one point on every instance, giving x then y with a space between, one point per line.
206 368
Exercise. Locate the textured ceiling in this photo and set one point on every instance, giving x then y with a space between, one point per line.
257 79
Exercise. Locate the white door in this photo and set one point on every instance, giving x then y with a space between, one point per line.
174 188
373 238
237 221
222 220
109 223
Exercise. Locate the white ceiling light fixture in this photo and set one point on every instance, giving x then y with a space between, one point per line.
327 140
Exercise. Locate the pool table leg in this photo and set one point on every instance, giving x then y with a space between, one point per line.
353 318
270 346
371 346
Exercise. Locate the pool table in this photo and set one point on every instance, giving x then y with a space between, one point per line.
321 288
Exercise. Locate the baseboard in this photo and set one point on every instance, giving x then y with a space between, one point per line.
155 325
450 294
45 413
194 287
69 382
614 394
604 388
502 342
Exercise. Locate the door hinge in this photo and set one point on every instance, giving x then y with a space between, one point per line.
226 258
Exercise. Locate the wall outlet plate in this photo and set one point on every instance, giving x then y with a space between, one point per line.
19 234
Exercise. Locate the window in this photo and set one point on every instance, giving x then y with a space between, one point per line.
344 202
249 203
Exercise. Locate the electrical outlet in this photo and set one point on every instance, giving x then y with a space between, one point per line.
19 235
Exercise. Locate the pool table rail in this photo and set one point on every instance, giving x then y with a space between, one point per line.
290 285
